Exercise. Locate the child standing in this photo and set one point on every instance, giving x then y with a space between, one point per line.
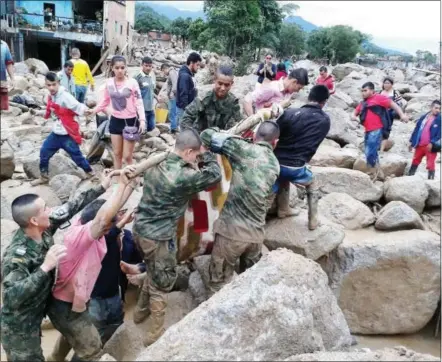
63 108
425 140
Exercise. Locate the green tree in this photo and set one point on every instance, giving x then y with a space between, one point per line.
338 43
180 28
146 19
291 41
198 36
289 9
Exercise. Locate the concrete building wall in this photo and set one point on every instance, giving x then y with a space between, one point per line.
130 18
63 8
115 25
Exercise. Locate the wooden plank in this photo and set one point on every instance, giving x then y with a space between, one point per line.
103 57
426 71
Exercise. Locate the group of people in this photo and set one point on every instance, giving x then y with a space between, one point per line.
77 284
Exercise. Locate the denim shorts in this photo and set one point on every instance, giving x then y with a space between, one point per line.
300 176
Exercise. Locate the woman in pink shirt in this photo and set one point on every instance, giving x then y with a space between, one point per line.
127 110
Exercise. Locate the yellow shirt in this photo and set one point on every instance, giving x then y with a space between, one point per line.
82 73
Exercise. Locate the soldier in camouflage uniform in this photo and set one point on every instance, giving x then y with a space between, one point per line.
168 187
27 265
239 230
219 108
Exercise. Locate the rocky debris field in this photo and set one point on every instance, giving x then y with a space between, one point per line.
372 267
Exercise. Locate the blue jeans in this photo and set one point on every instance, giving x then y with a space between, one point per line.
372 140
107 315
179 115
172 113
80 93
150 120
300 176
53 143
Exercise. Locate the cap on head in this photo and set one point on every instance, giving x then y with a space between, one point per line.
23 208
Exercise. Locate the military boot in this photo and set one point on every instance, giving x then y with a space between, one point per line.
312 200
42 180
431 175
156 327
412 170
142 310
283 199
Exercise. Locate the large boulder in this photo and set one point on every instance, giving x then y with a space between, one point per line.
21 84
7 163
21 68
365 354
344 210
339 100
127 341
386 283
37 66
410 189
355 183
342 129
280 307
342 70
8 229
329 156
64 185
59 164
433 199
293 233
10 189
397 215
391 165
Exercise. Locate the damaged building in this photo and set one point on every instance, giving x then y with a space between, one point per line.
48 30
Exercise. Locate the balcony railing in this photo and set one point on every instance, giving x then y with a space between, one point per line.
51 23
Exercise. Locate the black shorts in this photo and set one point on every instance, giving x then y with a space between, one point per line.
116 125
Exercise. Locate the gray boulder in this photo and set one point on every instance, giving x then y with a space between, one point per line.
410 189
381 278
64 185
127 341
59 164
433 199
355 183
365 354
7 162
329 156
293 233
37 66
280 307
397 215
342 129
391 165
344 210
21 68
342 70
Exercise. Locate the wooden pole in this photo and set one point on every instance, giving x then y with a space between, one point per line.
103 57
426 71
246 124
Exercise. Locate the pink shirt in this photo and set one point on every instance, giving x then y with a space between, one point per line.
125 99
426 135
78 271
271 92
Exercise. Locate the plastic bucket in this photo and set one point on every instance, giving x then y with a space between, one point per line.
161 115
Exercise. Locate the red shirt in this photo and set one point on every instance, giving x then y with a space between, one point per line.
329 82
373 121
426 133
280 74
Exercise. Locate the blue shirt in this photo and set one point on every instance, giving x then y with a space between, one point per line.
6 58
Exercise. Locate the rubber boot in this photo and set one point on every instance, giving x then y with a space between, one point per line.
312 200
156 327
412 170
283 199
142 310
431 175
42 180
60 351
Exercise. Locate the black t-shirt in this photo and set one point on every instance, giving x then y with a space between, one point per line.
302 131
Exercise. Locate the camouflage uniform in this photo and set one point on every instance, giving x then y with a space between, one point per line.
239 230
167 189
212 112
27 288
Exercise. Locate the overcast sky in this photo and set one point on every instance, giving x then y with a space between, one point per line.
400 25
